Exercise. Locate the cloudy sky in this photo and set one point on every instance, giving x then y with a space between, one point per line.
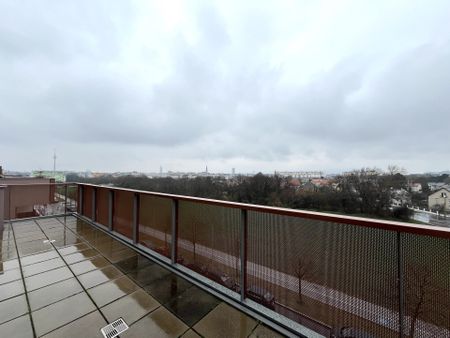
256 86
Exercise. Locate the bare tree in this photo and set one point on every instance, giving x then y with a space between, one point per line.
425 299
393 169
304 269
422 293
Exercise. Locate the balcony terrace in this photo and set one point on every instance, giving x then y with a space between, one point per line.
181 266
62 277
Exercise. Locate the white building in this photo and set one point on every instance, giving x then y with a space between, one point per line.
440 199
415 187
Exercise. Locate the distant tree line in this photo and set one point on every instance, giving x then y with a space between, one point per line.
365 192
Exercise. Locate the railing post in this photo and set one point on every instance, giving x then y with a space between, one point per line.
94 204
80 198
135 217
174 251
2 206
401 312
65 198
110 209
243 252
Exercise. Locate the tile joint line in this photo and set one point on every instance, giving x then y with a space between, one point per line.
23 281
76 277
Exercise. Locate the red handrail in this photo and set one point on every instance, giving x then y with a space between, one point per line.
418 229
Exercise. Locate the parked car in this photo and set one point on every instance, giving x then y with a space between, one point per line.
261 296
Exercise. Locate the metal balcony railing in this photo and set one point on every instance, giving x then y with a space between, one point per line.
337 275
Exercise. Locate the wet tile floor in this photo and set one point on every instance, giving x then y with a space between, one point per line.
62 277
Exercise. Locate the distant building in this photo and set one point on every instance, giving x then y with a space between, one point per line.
58 176
300 174
436 185
295 183
440 199
309 186
320 182
98 175
415 187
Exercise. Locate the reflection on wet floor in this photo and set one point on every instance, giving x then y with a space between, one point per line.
62 277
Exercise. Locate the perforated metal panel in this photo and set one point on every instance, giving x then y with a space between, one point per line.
155 220
87 201
327 276
426 285
123 213
208 241
102 204
361 279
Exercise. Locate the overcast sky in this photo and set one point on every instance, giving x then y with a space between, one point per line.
256 86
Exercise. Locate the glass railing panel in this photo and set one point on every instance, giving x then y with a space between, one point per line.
67 194
72 197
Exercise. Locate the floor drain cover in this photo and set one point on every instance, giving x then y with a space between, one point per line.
114 329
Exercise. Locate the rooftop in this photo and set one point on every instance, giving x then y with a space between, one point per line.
63 277
182 266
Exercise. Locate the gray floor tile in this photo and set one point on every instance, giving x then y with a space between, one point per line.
192 305
11 289
168 287
87 326
40 267
160 323
58 314
47 278
225 321
10 276
108 292
17 328
131 307
95 263
38 257
96 277
53 293
12 308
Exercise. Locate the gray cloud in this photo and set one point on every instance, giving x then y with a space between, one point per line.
232 85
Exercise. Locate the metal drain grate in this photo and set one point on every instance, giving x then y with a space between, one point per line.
114 329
